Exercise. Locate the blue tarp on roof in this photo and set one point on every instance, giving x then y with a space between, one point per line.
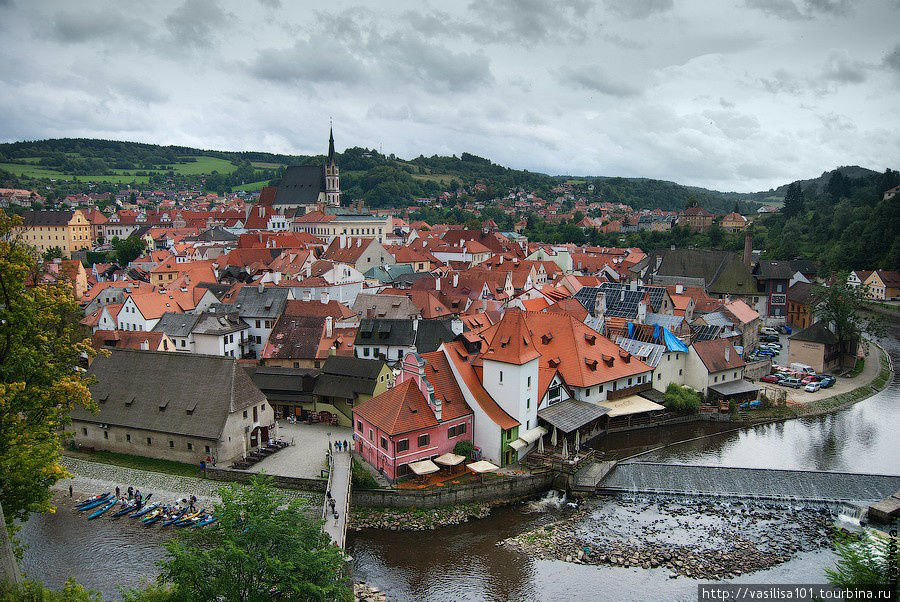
673 343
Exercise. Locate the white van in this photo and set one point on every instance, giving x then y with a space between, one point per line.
802 368
767 330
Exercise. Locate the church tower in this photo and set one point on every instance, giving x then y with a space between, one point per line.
332 176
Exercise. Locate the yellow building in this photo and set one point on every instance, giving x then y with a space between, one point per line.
68 230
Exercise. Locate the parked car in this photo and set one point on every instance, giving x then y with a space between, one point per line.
769 338
766 352
812 387
809 379
784 329
827 381
768 330
769 378
773 346
791 382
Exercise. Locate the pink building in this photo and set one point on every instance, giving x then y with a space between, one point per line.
423 416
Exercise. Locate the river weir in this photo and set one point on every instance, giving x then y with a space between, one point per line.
753 541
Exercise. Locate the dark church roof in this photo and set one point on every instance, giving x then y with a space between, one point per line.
300 185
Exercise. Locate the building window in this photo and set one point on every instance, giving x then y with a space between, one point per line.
529 382
403 445
658 376
629 382
359 426
371 435
501 376
106 434
383 443
149 441
84 431
190 446
128 437
715 379
245 413
423 440
171 443
456 431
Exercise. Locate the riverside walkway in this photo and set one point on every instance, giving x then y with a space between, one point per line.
801 485
339 488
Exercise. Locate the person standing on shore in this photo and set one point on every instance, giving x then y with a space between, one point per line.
118 492
70 490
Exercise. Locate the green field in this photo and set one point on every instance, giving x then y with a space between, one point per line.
203 165
264 165
250 186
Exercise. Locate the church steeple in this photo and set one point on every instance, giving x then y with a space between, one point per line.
332 175
331 145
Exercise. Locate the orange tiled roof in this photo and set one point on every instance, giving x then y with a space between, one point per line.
456 353
511 341
402 409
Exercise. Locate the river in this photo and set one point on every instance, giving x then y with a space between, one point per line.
464 562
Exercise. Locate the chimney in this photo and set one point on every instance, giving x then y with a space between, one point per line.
260 287
748 248
324 297
600 305
342 240
437 283
679 289
633 285
145 345
642 312
329 326
307 295
436 403
455 280
727 354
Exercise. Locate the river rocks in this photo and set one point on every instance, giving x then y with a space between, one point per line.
396 519
700 539
367 593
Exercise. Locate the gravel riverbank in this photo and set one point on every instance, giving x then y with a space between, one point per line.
702 539
397 519
90 478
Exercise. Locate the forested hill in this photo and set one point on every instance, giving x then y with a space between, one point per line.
69 164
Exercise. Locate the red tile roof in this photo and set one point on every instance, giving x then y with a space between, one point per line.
402 409
511 341
713 355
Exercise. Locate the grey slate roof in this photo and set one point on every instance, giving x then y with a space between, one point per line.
176 324
382 331
300 185
347 377
572 414
251 303
649 353
717 318
177 393
673 323
216 234
816 333
284 384
219 323
431 333
372 305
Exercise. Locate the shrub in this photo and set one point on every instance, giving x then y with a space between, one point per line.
464 448
362 478
681 399
35 591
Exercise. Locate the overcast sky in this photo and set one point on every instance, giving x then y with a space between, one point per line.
734 95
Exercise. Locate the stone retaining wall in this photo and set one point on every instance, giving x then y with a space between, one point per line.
503 489
283 482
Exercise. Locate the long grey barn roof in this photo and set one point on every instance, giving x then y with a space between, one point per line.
176 393
269 303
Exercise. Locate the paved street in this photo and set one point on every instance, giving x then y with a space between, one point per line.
336 520
305 457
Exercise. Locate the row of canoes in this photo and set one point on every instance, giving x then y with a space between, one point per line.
149 514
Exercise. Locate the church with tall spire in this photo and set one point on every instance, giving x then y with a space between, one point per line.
309 187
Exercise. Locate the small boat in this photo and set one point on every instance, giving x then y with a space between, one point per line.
97 502
153 516
93 499
206 521
187 520
126 509
145 510
99 512
174 517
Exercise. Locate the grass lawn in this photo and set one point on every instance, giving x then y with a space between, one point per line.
251 186
138 462
434 177
203 165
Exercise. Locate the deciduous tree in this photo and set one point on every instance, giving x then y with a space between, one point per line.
41 343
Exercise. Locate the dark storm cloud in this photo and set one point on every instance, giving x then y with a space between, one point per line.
842 69
86 25
892 60
317 60
594 79
638 9
532 21
789 9
194 22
